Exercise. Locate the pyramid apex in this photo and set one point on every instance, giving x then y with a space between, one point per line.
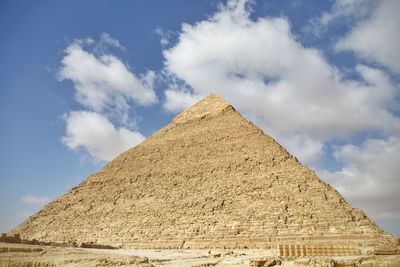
211 105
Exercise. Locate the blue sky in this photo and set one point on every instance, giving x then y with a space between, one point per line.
82 81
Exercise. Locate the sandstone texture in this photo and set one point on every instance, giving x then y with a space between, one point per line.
210 179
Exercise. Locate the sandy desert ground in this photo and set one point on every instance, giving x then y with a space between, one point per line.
23 255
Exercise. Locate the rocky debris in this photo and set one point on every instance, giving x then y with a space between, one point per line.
17 240
264 262
21 255
314 262
10 239
386 250
363 261
20 249
210 179
94 245
34 255
21 263
379 261
390 247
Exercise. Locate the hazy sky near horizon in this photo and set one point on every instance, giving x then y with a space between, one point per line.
82 81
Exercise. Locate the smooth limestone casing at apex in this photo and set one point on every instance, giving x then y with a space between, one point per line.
209 179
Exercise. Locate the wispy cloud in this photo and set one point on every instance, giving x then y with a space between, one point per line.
165 36
35 200
342 11
106 40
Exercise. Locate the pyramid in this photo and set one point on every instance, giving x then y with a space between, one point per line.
208 179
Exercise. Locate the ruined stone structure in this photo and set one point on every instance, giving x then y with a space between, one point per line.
301 250
209 179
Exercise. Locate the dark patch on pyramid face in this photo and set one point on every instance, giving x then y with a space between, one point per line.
209 179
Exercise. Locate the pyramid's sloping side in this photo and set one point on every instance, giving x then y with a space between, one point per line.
212 181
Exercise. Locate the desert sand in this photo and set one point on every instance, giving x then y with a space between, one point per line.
23 255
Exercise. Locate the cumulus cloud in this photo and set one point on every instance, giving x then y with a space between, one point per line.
97 135
375 38
107 88
369 177
35 200
102 81
266 73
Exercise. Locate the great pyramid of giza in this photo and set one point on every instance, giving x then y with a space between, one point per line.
209 179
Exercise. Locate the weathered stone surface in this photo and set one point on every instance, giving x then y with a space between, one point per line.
314 262
209 179
10 239
386 250
262 262
212 105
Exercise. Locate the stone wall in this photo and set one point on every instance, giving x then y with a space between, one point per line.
307 250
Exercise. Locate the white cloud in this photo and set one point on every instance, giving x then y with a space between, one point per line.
305 148
376 38
370 176
35 200
262 70
107 88
177 99
102 81
97 135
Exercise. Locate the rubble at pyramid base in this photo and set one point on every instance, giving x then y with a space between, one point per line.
288 255
254 243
